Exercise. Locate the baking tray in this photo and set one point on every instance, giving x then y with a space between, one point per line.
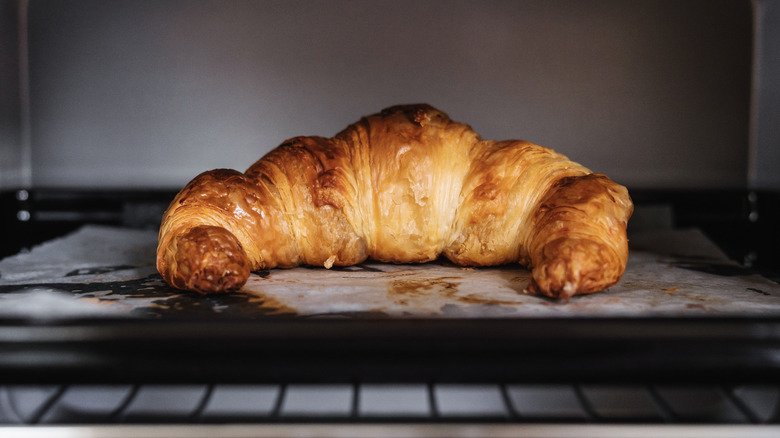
91 307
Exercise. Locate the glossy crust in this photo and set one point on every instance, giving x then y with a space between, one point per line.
406 185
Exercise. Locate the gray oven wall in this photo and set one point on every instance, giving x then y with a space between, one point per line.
764 164
146 94
11 155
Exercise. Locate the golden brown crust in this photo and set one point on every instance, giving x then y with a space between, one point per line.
208 259
579 243
404 185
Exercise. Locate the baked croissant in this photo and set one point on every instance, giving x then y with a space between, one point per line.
406 185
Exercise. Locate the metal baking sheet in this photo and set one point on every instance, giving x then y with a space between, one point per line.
102 271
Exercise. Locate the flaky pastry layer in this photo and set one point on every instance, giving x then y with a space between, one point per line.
406 185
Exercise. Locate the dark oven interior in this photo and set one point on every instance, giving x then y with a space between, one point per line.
108 108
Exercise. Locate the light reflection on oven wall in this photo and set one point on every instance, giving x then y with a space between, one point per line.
150 93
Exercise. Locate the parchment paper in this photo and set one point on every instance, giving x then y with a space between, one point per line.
107 271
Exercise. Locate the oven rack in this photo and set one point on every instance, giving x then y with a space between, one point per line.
370 403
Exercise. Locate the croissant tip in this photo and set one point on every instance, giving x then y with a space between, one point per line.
564 293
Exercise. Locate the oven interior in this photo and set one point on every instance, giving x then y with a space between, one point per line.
109 108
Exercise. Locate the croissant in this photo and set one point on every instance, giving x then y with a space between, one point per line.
406 185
